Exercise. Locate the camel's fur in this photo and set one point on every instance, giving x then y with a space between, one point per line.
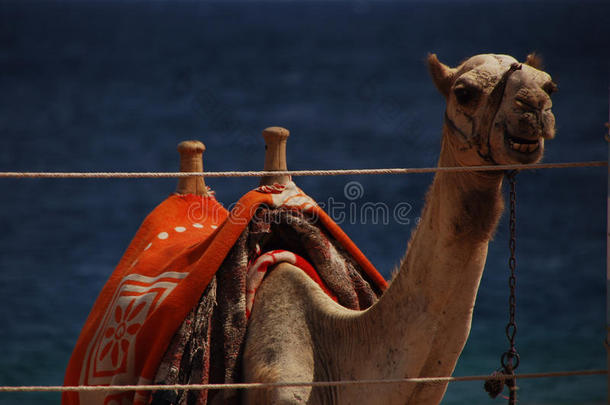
421 323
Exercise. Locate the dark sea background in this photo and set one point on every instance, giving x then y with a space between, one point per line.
114 86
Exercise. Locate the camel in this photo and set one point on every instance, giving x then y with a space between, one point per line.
498 111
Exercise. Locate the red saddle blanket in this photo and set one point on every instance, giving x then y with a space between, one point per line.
175 308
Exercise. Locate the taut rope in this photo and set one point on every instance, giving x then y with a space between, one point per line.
418 380
334 172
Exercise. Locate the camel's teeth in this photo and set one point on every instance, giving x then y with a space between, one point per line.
524 147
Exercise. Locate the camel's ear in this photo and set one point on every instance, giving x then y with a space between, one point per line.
442 75
534 60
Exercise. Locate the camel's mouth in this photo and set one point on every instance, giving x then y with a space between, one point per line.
523 145
523 150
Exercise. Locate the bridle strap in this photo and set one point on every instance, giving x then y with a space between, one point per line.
455 128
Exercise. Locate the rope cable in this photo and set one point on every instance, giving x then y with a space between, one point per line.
415 380
333 172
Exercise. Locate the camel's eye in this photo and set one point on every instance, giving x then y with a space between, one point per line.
465 94
549 88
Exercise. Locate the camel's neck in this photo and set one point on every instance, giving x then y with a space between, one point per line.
424 316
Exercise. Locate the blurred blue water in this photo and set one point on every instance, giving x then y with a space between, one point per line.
109 86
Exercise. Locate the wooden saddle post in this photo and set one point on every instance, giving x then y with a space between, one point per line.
275 155
191 160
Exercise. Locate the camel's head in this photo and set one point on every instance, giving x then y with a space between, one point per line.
498 110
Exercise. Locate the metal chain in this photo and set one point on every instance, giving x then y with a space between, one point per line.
510 358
